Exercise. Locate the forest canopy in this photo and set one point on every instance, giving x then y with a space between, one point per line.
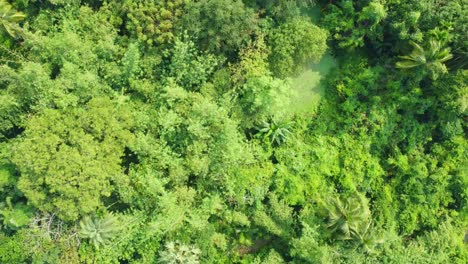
233 131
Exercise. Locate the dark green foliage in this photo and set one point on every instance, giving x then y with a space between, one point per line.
282 10
220 25
350 22
152 22
14 217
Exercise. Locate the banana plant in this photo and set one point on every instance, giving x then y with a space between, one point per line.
276 132
9 19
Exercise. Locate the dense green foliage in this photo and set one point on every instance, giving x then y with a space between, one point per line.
233 131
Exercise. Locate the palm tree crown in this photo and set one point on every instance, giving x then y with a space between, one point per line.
432 58
350 219
98 230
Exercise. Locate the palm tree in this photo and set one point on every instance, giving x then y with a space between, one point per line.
350 219
366 236
431 59
99 230
9 19
345 216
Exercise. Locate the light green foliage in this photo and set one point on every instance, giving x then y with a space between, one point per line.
273 258
64 67
264 97
364 78
67 168
430 184
441 245
275 218
430 59
9 114
188 68
253 61
294 44
198 130
7 174
249 183
308 92
406 19
347 160
308 248
33 90
12 249
445 243
174 211
9 19
260 96
296 177
99 230
131 235
62 2
85 39
373 14
452 91
130 64
176 252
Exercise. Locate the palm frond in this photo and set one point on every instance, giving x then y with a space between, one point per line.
431 58
9 19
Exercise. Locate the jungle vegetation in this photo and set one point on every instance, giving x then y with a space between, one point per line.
233 131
